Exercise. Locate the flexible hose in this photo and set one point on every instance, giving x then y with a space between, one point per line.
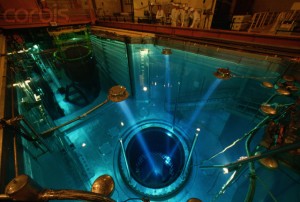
49 194
252 175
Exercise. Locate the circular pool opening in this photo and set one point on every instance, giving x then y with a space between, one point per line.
155 157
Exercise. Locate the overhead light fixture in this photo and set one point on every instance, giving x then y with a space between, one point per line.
223 73
166 51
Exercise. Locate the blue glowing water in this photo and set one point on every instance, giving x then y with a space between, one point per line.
181 85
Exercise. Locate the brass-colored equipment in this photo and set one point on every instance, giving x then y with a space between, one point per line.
166 51
23 188
194 200
269 162
283 91
267 84
288 78
103 185
292 88
268 109
117 94
223 73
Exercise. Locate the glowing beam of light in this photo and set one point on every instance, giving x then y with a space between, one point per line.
168 79
174 149
129 115
126 111
211 89
147 153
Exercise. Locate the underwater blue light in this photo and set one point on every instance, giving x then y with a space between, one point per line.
167 160
152 163
168 79
210 91
127 112
171 153
147 152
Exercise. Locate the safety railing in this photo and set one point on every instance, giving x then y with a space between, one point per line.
273 21
121 18
261 20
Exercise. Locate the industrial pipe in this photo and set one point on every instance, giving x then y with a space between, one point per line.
271 152
125 158
75 119
72 195
4 197
116 94
186 167
252 175
23 188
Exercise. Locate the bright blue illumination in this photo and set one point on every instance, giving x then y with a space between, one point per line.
174 149
127 112
167 160
152 163
210 91
147 151
168 80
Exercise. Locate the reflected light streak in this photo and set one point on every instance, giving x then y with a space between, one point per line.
211 89
127 112
174 149
168 80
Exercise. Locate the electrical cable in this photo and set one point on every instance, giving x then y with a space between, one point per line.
233 178
258 126
226 148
